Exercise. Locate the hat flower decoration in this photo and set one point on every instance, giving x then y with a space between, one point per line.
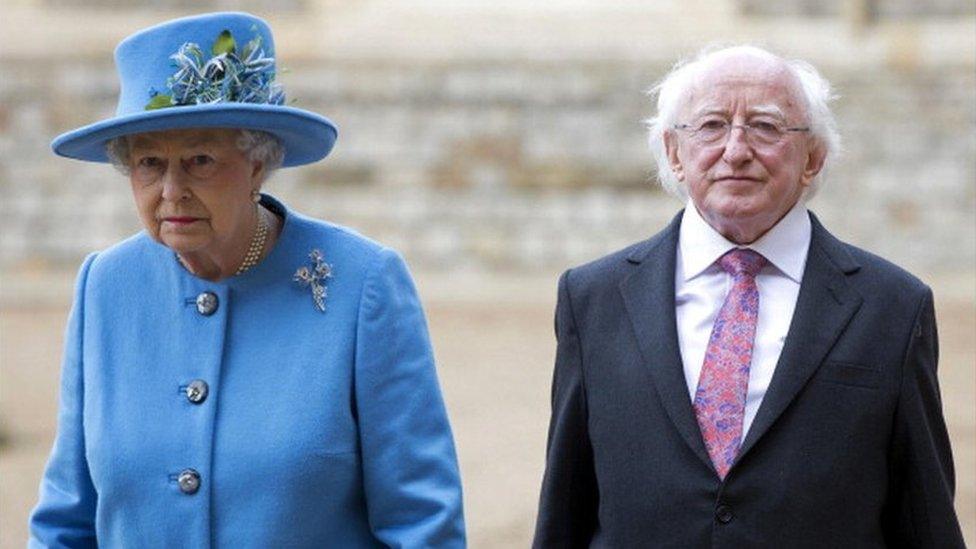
227 76
193 73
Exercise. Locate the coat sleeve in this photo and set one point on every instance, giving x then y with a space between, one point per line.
568 504
410 472
920 506
65 512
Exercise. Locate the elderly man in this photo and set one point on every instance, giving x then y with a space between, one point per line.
743 378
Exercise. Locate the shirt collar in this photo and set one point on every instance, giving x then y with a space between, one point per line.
785 245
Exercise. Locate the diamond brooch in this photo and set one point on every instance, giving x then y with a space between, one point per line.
314 277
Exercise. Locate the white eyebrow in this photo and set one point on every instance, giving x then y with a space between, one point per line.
709 110
767 109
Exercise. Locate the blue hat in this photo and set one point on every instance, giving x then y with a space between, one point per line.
207 71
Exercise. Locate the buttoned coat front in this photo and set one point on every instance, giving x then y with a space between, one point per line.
848 449
319 428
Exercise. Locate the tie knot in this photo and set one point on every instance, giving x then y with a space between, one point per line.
742 261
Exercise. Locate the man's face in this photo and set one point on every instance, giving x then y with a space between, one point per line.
742 186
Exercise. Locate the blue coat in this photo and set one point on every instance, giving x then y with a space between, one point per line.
318 428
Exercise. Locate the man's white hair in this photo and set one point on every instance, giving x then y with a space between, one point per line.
672 92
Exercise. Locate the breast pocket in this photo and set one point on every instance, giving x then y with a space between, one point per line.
849 374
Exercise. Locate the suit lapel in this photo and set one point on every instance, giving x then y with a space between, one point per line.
824 307
648 294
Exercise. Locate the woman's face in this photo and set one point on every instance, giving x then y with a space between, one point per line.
193 189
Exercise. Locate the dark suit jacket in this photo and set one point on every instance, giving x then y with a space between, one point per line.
849 448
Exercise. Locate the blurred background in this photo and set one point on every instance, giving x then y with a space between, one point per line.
495 143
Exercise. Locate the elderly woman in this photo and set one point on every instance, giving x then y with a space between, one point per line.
237 374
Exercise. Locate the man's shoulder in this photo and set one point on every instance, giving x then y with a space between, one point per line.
614 262
614 267
868 271
881 279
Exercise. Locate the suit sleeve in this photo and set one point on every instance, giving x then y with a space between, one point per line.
921 512
410 472
568 503
65 512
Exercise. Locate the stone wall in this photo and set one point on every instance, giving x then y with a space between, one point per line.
872 9
504 164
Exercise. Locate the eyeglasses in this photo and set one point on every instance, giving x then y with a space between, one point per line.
716 131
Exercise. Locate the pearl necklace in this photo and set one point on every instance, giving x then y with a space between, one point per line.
257 244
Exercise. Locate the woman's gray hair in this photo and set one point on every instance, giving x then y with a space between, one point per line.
256 145
672 92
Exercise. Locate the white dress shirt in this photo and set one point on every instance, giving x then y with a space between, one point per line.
700 287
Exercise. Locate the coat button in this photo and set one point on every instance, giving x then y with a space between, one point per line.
723 514
207 303
189 481
197 390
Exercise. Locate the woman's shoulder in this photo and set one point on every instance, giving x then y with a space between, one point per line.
121 269
335 241
136 252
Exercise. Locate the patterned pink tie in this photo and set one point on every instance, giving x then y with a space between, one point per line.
720 400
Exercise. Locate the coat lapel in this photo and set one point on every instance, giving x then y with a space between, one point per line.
648 295
824 307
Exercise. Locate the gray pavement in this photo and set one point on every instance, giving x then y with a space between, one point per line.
493 340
